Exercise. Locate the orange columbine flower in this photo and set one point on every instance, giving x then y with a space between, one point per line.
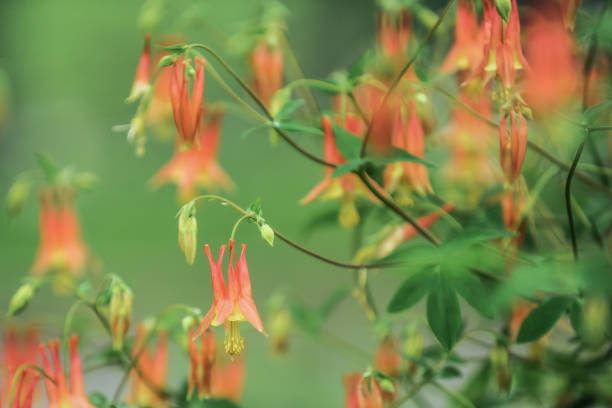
19 349
266 63
502 51
187 110
387 359
232 304
60 395
553 80
466 52
362 393
60 246
345 187
142 78
201 363
512 145
228 379
394 30
152 364
197 167
406 177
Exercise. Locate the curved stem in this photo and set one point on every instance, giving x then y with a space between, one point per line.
568 198
405 69
262 106
293 243
244 217
17 374
396 209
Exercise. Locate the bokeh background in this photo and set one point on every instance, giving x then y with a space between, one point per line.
67 67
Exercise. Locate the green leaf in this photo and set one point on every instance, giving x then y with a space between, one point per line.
576 317
472 236
167 60
288 109
348 144
470 287
449 371
325 86
255 208
348 167
594 112
49 168
358 68
411 291
543 318
444 314
504 7
290 126
399 155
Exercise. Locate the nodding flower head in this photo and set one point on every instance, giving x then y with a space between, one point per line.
233 303
512 143
201 363
466 52
152 362
19 348
142 79
362 392
187 108
266 61
394 31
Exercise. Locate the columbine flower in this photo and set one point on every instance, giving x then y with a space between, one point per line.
388 359
362 393
404 178
142 78
18 349
152 364
394 30
266 61
466 52
59 394
228 379
201 363
513 144
553 81
502 51
197 167
60 246
187 110
234 303
345 187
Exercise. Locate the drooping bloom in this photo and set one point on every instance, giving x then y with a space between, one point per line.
201 363
120 313
153 364
142 78
406 177
197 167
60 394
467 50
362 393
502 51
345 187
554 79
569 9
394 31
19 348
233 303
266 61
392 237
512 144
187 108
60 246
228 379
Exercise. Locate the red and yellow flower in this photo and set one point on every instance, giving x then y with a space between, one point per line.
228 379
187 108
153 364
201 363
266 61
361 392
142 79
19 348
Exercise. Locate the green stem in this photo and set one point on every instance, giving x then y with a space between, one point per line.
405 69
244 217
459 398
568 199
17 374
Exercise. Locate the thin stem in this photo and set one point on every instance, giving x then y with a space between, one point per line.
568 198
16 376
244 217
394 207
293 243
600 129
410 394
405 69
262 106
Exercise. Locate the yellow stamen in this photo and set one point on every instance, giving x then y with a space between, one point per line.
234 342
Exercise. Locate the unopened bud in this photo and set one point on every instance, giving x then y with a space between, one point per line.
188 231
166 61
267 233
499 361
595 318
21 298
504 7
413 349
120 313
17 195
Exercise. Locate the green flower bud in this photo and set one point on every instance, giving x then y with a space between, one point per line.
120 313
188 231
267 233
17 195
499 361
504 7
21 298
595 320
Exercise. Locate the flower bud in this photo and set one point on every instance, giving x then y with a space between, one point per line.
17 195
267 233
504 7
499 361
595 320
120 313
21 298
188 231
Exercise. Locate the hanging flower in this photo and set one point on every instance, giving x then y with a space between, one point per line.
142 78
228 379
387 358
266 61
19 348
466 52
59 394
187 109
152 363
197 167
345 187
234 303
406 177
512 143
362 393
394 32
201 363
60 246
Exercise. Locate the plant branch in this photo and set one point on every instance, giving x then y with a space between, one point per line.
568 198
